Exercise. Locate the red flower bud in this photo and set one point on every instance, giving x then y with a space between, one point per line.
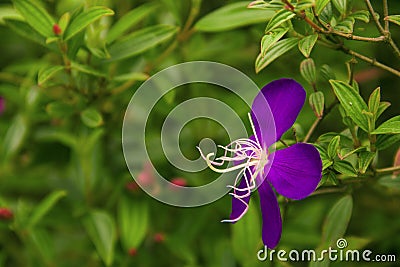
131 186
2 105
6 214
159 237
179 181
132 252
57 29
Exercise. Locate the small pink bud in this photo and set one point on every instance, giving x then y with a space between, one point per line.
132 252
159 237
57 29
131 186
179 181
6 214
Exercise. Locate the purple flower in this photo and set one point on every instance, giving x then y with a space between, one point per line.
294 171
2 105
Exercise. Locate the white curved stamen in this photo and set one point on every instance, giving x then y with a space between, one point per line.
252 158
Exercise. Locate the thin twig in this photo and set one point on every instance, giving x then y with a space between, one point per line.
311 130
350 36
385 14
390 169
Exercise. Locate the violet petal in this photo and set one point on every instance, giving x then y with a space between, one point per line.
296 171
285 99
271 216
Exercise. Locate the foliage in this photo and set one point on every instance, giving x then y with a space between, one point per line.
69 68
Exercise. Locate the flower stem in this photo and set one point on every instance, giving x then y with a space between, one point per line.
311 130
385 14
390 169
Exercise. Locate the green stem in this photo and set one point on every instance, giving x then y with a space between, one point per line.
390 169
311 130
385 14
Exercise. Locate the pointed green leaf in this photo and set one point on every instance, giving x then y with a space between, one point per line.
317 102
82 20
133 221
320 5
36 16
43 243
327 73
333 147
352 103
346 25
26 31
134 76
86 69
385 141
100 227
91 118
391 126
58 109
345 167
45 206
362 15
306 44
15 136
279 18
142 40
129 20
52 134
337 220
390 181
271 38
365 160
382 107
394 19
45 74
341 6
304 4
374 101
307 70
346 152
276 51
232 16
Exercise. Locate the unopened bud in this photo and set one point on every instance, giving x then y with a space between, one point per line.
159 237
57 29
132 252
6 214
179 181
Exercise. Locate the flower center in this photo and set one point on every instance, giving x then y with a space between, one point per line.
249 157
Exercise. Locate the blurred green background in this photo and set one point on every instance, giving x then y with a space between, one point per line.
66 195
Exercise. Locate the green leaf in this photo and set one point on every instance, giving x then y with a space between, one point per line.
306 44
374 101
271 38
100 227
345 167
129 20
345 26
304 4
326 163
365 160
394 19
362 15
45 206
341 6
133 76
279 18
91 118
232 16
347 152
15 136
390 181
36 16
43 242
45 74
86 69
133 221
333 147
385 141
82 20
307 70
52 134
352 103
327 73
276 51
142 40
382 107
8 12
317 102
58 109
336 222
391 126
320 5
26 31
246 235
